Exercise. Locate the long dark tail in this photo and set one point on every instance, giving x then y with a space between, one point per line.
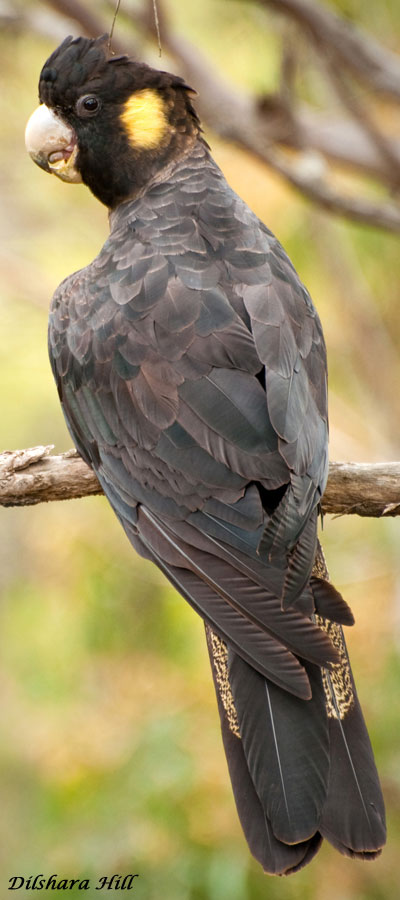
300 769
298 751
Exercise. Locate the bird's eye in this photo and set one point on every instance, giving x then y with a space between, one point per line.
88 105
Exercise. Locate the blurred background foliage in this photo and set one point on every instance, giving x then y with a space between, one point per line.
110 752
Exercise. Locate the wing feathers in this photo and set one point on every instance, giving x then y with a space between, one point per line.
295 632
329 603
253 643
250 643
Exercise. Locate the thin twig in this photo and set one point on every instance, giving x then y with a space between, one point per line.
157 24
113 23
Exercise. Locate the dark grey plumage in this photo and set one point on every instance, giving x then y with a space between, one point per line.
191 367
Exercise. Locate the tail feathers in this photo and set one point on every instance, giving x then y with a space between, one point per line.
298 751
289 771
353 818
300 770
276 857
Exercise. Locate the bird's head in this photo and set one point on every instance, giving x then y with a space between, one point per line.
107 120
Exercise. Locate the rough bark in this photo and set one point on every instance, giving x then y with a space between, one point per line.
34 476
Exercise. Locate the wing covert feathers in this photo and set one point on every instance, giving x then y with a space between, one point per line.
191 368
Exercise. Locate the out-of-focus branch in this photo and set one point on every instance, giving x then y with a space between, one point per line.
263 128
90 22
238 117
338 139
347 44
357 109
34 476
306 175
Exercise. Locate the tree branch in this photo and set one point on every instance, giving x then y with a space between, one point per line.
358 110
34 476
340 140
90 22
263 127
238 117
348 45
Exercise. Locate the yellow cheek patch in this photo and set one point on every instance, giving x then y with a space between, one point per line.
144 118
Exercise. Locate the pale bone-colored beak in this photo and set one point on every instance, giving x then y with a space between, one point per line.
52 144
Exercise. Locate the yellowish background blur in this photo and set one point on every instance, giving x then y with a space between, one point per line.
110 752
